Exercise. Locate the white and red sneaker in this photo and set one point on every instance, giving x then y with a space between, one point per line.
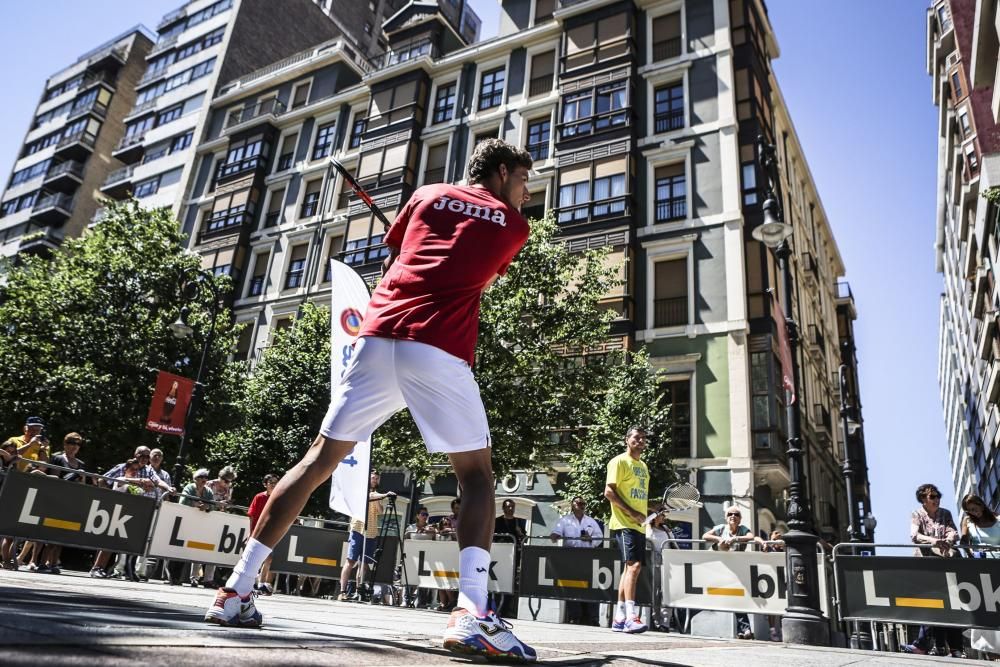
634 626
488 636
233 611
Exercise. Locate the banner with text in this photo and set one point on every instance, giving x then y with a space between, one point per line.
49 509
434 564
188 533
168 409
563 573
737 581
311 552
962 592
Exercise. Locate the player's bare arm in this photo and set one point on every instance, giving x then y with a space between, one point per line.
611 493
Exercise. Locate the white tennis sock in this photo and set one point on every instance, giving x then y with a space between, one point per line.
620 611
245 572
473 574
630 609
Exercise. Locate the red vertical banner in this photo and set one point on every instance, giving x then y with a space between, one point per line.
170 403
784 351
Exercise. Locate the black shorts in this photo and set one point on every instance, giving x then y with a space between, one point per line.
632 545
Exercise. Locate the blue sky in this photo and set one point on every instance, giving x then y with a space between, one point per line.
853 76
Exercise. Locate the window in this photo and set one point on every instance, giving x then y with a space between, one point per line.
28 173
436 158
760 390
677 395
357 129
597 42
300 96
287 154
147 188
573 202
168 115
259 274
365 250
538 139
669 108
444 103
578 109
242 156
324 141
296 266
597 109
671 193
230 210
609 195
310 203
491 89
274 208
333 249
972 158
544 9
956 85
542 69
670 297
749 172
181 142
154 154
611 97
943 19
667 36
963 120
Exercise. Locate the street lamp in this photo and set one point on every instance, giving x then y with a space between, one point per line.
194 282
803 622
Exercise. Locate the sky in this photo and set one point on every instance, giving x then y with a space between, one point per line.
852 74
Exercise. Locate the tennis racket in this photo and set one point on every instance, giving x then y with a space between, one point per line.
360 191
681 496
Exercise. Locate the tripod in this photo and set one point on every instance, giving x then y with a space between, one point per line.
390 523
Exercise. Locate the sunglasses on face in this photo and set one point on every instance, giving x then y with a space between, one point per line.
735 515
422 514
933 496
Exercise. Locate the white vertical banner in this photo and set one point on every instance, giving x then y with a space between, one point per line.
349 298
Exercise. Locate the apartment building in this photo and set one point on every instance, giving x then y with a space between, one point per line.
962 47
150 127
54 185
642 117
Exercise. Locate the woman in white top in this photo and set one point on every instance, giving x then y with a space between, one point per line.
980 526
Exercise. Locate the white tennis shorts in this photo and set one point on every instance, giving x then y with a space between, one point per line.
386 375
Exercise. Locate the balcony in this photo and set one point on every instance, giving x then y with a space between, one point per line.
118 183
64 177
541 85
228 170
140 109
76 146
163 44
130 148
170 18
669 210
96 78
52 209
111 57
262 112
816 340
41 242
152 75
666 49
405 53
671 312
436 175
225 223
599 209
668 121
93 106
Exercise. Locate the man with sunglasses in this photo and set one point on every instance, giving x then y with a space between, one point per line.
733 536
578 530
419 530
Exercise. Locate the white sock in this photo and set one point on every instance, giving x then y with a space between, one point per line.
630 609
245 572
473 574
620 611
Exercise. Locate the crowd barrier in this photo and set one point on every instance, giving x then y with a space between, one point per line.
434 564
585 574
956 592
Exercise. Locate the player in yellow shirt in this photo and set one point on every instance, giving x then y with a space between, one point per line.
33 445
627 489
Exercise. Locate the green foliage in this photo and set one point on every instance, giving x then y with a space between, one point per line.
631 399
86 330
992 195
279 406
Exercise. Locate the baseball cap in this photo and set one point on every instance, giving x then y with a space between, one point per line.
34 421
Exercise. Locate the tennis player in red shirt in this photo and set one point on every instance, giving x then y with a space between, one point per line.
253 512
415 349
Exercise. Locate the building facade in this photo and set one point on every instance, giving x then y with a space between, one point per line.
642 118
962 48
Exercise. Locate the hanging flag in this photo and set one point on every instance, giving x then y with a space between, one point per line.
349 298
784 351
168 409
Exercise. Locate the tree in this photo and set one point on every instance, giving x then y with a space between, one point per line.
632 398
86 329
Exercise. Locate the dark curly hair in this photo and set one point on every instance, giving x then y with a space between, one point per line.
924 489
489 154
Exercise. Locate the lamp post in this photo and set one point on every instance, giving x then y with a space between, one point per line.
192 283
803 622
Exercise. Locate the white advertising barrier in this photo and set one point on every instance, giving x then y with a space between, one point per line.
739 581
434 564
188 533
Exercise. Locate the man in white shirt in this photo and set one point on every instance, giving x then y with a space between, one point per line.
578 530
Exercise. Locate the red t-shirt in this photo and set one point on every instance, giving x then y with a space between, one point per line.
256 508
452 240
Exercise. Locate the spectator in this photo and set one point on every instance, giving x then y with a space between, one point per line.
127 479
32 446
156 462
146 478
932 524
980 526
8 454
67 459
363 536
264 586
578 530
150 564
733 536
508 524
197 494
456 506
222 491
419 530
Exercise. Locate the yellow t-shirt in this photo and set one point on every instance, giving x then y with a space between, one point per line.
29 453
631 478
374 512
